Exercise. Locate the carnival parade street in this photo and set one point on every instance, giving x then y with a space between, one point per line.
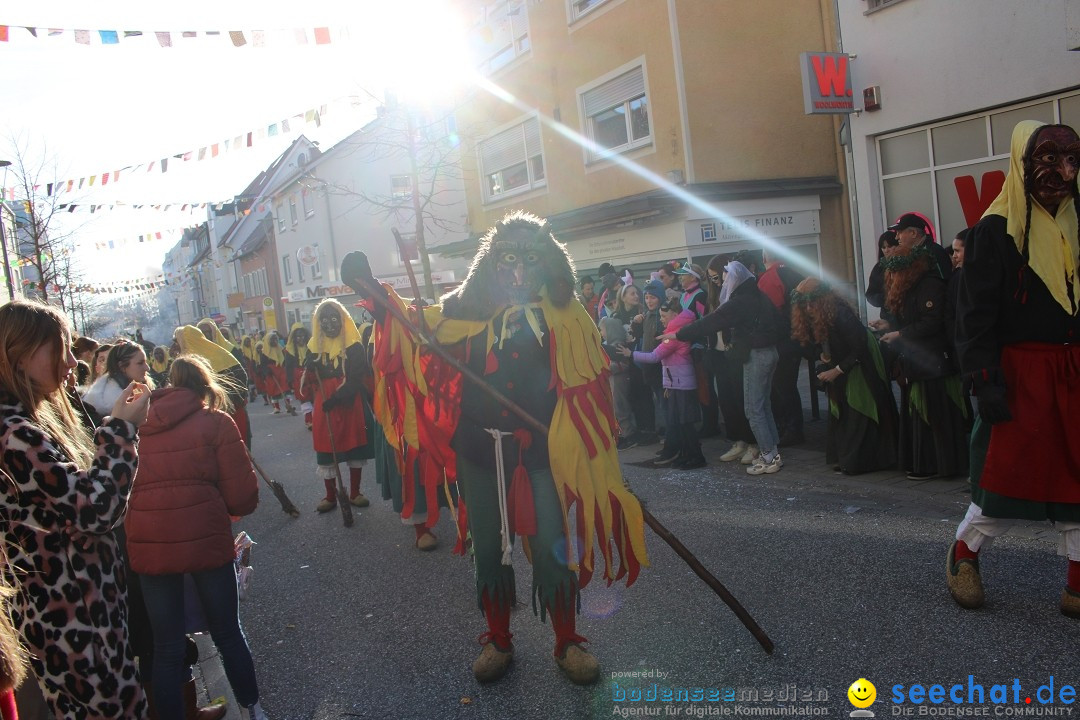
843 573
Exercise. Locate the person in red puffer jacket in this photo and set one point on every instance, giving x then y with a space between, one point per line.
194 474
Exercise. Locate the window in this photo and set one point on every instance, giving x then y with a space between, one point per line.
501 34
401 187
280 219
708 232
292 209
512 161
299 271
408 250
877 4
286 269
952 170
305 198
580 8
247 285
316 269
617 114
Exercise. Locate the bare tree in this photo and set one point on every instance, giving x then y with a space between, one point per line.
41 244
428 141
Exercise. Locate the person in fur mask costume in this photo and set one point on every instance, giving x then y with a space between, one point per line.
515 322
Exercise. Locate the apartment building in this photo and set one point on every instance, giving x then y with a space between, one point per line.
651 130
934 127
352 197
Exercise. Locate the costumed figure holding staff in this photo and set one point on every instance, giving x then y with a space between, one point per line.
230 372
296 353
393 469
272 365
1018 323
515 322
336 371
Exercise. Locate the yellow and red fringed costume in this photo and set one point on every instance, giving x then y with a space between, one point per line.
418 403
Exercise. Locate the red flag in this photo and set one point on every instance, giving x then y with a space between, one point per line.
214 150
104 179
322 36
3 33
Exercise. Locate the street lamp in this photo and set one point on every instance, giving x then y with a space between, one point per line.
3 242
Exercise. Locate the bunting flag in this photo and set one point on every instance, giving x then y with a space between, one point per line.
240 142
237 38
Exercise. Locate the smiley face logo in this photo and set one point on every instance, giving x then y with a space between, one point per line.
862 693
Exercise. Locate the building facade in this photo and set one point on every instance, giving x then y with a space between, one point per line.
648 131
352 197
949 97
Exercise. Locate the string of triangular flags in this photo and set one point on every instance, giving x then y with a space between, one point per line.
206 152
151 237
238 38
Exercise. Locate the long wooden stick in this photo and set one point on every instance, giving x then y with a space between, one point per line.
343 498
379 296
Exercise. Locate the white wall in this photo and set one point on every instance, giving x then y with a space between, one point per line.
935 59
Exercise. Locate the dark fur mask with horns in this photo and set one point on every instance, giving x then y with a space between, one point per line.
515 260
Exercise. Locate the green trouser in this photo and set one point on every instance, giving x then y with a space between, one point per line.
552 580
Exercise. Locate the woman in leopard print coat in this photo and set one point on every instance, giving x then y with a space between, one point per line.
57 518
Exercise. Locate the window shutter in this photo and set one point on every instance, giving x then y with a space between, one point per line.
503 150
532 137
615 92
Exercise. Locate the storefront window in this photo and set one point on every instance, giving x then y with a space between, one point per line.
952 171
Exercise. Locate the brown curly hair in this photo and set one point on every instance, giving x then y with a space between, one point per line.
810 321
898 282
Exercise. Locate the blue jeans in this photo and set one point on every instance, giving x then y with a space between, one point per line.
757 387
164 598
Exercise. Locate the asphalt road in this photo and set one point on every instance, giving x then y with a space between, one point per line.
845 575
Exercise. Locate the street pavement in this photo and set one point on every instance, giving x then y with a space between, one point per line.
845 574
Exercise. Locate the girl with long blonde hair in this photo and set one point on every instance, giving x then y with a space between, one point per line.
66 492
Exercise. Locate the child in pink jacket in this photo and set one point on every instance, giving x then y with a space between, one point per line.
682 449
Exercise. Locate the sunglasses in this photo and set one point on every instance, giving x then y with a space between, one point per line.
714 278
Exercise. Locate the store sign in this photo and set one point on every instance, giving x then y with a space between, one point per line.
746 228
974 202
307 255
826 79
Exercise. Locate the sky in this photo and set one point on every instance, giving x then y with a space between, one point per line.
84 110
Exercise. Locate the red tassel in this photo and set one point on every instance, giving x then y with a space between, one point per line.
522 509
492 364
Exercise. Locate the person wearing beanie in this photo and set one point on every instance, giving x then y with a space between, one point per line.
647 326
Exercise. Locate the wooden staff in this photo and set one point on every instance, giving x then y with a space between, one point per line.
342 496
378 295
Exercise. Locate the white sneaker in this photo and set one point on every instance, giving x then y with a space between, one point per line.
750 455
735 452
764 467
255 712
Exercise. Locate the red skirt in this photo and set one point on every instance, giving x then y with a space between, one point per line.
276 382
347 422
1036 455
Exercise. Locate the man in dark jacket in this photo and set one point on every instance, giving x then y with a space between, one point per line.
912 230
